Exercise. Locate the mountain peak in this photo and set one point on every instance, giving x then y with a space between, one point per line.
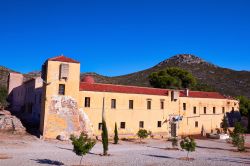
184 59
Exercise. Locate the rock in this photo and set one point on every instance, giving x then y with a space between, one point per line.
62 137
10 123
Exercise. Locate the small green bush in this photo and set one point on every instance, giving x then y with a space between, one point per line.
188 144
82 145
142 133
238 138
174 142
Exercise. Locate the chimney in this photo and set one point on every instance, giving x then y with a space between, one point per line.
187 92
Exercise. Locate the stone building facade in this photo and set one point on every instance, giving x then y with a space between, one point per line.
71 106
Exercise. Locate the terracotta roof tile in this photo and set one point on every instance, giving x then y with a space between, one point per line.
63 58
122 89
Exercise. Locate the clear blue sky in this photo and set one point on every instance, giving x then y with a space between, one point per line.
119 37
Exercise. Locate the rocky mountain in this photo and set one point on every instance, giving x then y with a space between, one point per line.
223 80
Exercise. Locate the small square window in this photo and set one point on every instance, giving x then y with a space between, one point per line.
123 125
87 102
159 124
113 103
141 124
196 124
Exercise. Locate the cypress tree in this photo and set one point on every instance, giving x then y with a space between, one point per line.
116 138
104 138
224 124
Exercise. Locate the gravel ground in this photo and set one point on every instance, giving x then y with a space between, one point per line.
30 151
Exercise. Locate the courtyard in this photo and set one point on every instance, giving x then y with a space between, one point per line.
27 150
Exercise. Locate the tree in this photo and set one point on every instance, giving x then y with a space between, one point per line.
172 77
224 124
3 97
245 108
238 138
142 133
82 145
188 144
105 142
116 138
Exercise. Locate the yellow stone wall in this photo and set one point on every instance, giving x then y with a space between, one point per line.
54 122
57 121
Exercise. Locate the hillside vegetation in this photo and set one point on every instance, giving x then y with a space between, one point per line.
210 76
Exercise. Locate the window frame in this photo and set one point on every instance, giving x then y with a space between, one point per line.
122 125
196 124
113 103
141 124
87 101
149 104
131 104
59 89
205 110
159 124
194 110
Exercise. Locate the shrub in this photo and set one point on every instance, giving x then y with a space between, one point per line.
3 97
82 145
238 138
116 138
105 142
142 133
174 142
188 144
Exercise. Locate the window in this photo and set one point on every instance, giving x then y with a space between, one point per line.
64 71
123 125
100 126
162 105
113 103
149 104
194 110
87 102
223 110
61 90
184 106
141 124
131 104
214 110
159 124
196 124
205 110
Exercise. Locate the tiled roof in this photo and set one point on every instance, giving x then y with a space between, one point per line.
122 89
200 94
63 58
97 87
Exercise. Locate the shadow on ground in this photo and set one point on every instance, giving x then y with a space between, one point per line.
240 160
214 148
48 162
158 156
